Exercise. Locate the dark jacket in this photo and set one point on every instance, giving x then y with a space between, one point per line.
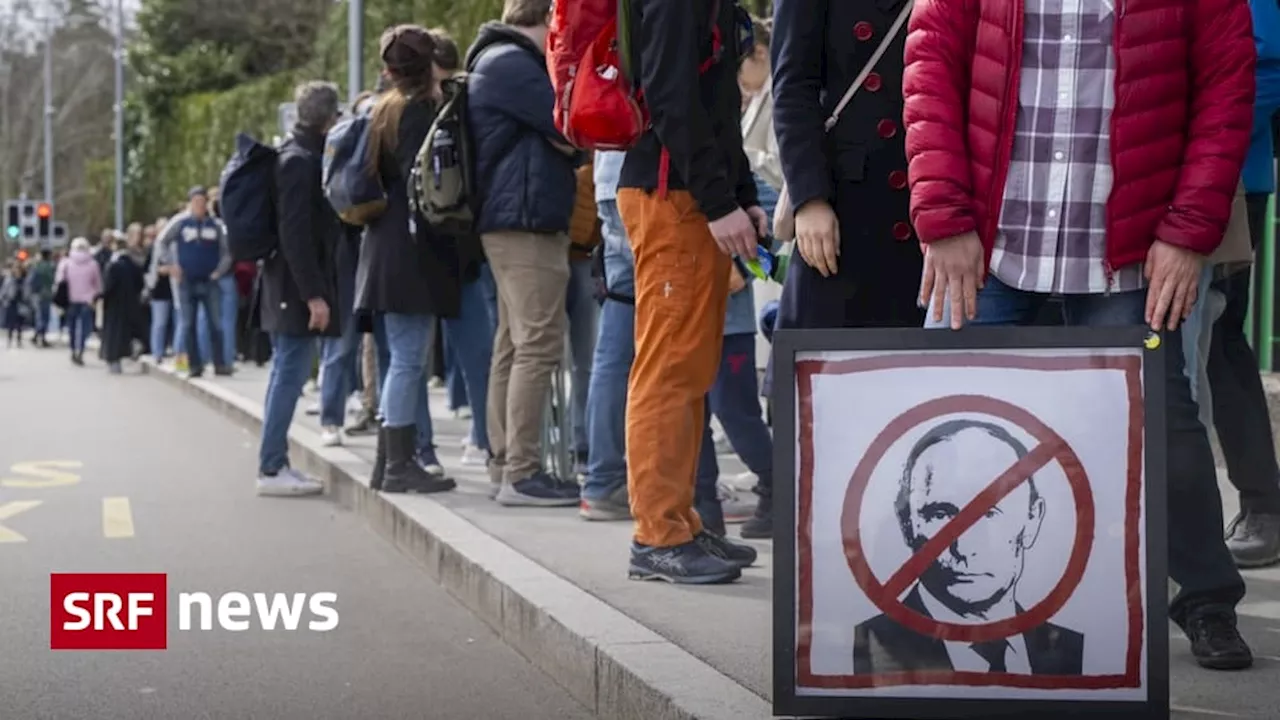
304 268
399 271
860 167
696 118
522 180
122 316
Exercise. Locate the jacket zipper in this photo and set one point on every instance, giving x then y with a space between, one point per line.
1109 272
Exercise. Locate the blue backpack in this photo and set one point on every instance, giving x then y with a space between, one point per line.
246 195
351 184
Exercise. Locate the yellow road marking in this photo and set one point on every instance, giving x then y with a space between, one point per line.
117 518
10 509
49 472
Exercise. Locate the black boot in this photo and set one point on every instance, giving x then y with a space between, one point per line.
379 460
405 472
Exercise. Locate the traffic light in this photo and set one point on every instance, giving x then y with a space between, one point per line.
60 234
44 211
13 228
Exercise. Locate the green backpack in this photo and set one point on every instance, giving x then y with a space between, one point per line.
442 183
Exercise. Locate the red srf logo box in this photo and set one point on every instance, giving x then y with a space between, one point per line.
108 611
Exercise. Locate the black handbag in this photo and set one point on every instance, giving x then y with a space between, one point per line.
61 295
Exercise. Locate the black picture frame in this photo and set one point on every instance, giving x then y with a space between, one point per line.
788 343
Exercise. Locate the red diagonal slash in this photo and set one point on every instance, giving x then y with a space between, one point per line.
1018 473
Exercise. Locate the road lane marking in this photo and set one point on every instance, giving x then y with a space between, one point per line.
10 509
117 518
49 473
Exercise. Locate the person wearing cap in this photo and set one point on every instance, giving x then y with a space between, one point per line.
193 252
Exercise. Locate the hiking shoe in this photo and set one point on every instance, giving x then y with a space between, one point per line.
1254 539
611 508
1216 642
760 526
538 490
737 554
288 483
687 564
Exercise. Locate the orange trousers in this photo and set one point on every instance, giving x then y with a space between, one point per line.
682 282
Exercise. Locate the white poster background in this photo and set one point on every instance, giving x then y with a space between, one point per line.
1088 408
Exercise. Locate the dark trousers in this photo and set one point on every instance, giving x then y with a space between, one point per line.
204 292
1198 557
1240 412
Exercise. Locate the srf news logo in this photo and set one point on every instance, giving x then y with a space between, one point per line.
118 611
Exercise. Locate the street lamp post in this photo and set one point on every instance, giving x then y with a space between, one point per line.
49 192
119 113
355 50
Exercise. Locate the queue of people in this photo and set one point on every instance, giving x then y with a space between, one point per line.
921 190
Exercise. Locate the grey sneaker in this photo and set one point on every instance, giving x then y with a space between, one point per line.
612 508
1254 539
538 490
288 483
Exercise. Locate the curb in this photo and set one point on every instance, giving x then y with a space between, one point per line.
613 665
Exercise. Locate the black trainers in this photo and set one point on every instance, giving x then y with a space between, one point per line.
737 554
1254 539
542 489
224 370
1216 643
687 564
760 525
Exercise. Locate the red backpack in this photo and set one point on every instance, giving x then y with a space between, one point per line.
597 106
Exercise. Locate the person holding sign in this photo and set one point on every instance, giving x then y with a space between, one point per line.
1057 149
975 581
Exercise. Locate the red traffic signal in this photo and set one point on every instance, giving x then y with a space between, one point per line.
44 211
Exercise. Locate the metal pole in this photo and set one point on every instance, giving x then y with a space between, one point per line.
49 191
119 112
355 50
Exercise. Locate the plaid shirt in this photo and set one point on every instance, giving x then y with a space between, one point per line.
1052 232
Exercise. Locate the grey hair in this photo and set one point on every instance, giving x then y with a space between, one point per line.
80 243
317 104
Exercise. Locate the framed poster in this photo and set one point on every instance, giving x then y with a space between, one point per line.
976 525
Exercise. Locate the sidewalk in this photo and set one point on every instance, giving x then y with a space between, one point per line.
555 587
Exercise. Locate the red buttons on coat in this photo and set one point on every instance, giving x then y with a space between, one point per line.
897 179
887 128
863 31
872 82
901 232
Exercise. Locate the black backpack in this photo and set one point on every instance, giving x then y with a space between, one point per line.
442 183
246 194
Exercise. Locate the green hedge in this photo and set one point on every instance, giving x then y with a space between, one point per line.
171 149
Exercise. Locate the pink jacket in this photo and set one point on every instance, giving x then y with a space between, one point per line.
83 276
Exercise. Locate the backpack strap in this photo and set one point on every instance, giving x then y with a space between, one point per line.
717 51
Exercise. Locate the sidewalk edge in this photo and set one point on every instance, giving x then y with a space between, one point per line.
609 662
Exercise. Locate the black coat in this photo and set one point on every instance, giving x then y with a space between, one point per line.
818 48
404 272
305 266
122 315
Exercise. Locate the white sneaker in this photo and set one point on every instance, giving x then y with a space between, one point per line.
474 457
462 413
288 483
331 436
744 482
313 408
736 507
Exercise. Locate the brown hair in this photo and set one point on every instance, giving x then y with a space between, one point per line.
525 13
762 32
446 55
407 52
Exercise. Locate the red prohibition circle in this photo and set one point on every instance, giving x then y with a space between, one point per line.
885 597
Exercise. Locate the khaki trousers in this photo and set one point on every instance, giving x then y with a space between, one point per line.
531 271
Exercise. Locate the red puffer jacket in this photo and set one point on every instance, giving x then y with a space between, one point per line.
1179 130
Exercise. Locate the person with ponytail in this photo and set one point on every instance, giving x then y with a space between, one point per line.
407 273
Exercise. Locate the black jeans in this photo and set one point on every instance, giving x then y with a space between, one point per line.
1240 412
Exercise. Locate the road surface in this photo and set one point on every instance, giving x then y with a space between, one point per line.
125 474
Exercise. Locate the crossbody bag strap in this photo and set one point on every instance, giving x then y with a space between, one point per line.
866 70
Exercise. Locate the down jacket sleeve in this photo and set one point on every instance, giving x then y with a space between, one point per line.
935 88
1221 118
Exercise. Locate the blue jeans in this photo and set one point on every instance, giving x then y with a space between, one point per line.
735 400
228 307
1198 558
44 316
338 359
607 401
161 314
291 359
406 339
79 321
584 312
470 340
196 294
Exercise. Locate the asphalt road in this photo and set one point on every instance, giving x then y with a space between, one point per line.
124 474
